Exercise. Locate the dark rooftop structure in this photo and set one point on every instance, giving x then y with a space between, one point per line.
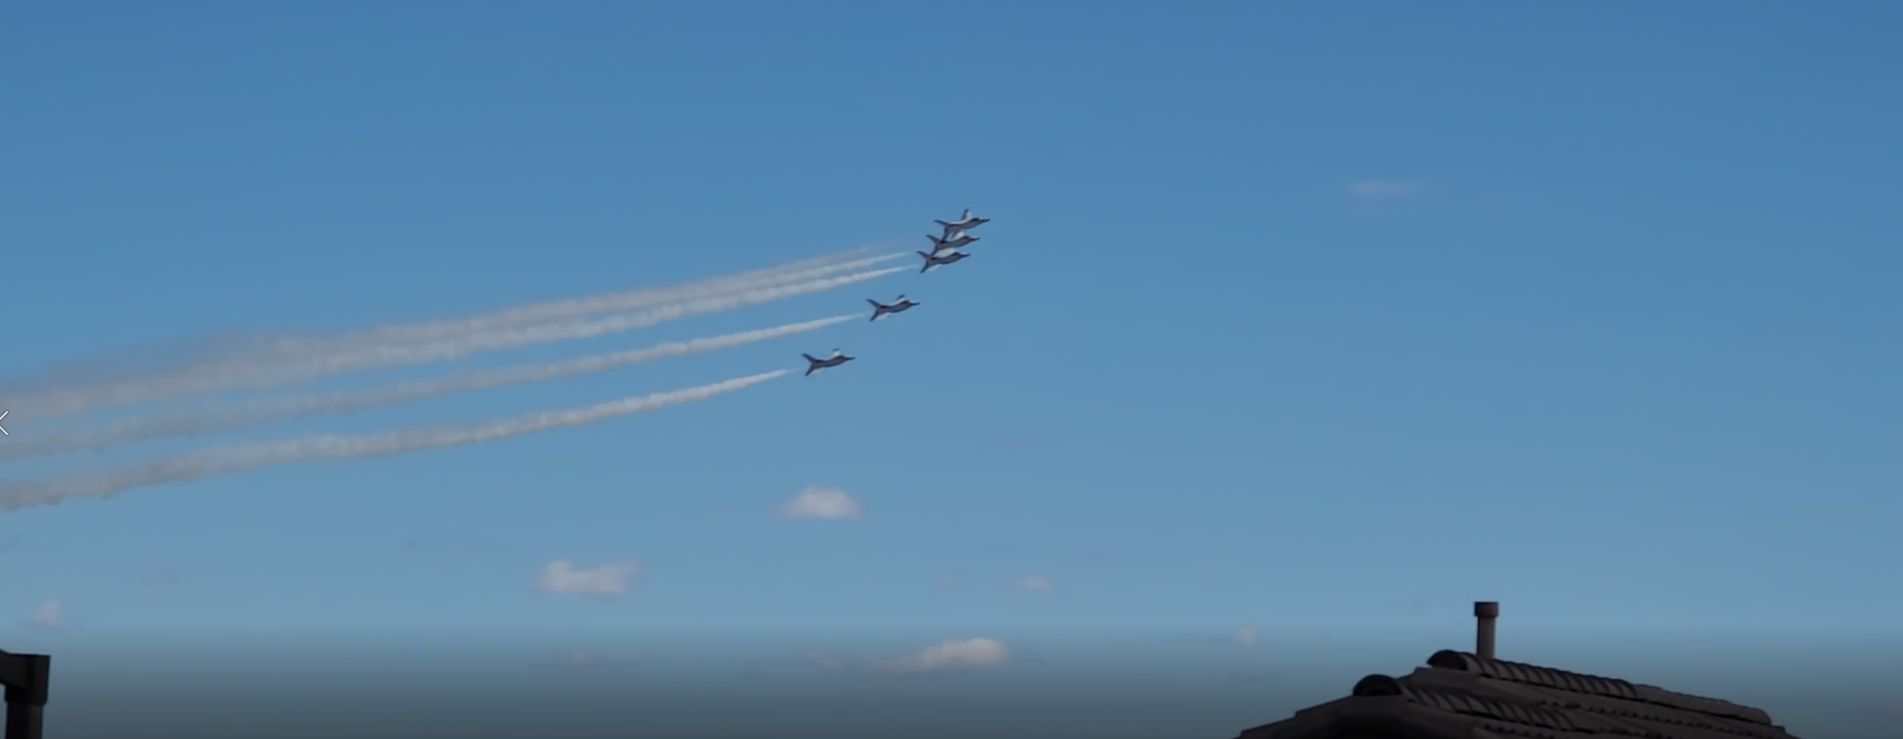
1472 695
24 676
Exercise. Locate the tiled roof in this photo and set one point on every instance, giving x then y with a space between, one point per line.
1462 695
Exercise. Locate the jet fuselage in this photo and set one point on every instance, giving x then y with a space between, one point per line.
815 364
880 309
939 259
958 239
965 221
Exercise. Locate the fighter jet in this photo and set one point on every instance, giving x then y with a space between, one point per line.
951 241
934 260
898 306
815 364
964 222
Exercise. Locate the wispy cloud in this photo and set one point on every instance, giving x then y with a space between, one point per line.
563 577
1247 636
49 614
954 656
958 655
823 503
1384 189
1034 583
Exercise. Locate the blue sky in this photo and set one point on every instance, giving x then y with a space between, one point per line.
1317 318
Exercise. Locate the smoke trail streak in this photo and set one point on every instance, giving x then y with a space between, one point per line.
241 458
64 396
284 409
578 307
255 374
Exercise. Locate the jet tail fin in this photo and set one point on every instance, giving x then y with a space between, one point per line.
942 223
810 358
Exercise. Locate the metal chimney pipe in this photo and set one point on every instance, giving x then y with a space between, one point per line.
1485 611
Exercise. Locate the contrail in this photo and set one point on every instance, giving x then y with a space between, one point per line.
256 374
212 421
241 458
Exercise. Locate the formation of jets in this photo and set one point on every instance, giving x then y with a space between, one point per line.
945 250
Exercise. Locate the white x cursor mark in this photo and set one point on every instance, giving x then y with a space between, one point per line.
3 429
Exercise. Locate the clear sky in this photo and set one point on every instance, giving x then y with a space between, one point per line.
1315 318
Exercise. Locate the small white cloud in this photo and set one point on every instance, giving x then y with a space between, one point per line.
956 655
1383 189
1247 635
822 502
562 577
48 614
1033 583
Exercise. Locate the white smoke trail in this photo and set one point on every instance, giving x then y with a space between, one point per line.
578 307
241 458
284 409
256 374
62 395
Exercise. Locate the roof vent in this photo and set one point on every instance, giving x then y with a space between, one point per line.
1378 685
1485 612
